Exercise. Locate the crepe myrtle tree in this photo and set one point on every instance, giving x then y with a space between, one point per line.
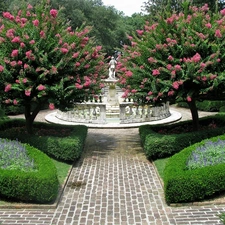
180 58
42 60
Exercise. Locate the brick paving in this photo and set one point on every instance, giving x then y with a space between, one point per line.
114 184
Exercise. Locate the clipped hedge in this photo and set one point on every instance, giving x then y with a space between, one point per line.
158 145
62 148
182 185
208 106
39 186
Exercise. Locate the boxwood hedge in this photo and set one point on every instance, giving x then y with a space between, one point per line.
67 148
39 186
183 185
158 145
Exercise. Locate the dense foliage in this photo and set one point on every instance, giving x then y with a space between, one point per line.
158 144
184 185
63 143
43 60
40 186
177 58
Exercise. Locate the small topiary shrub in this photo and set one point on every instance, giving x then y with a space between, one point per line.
182 184
58 141
38 186
157 144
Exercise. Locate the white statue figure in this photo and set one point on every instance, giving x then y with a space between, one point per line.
112 68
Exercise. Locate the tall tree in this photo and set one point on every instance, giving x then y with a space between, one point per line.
180 58
42 60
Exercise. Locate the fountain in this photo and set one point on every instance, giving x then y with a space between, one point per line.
111 110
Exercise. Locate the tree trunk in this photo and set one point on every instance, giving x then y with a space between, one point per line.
194 114
30 116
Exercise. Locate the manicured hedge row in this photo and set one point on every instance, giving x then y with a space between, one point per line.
158 145
62 148
39 186
182 185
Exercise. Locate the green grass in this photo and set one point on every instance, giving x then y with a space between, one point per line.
62 170
160 165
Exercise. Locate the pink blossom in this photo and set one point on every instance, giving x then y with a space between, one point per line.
42 34
218 33
155 72
41 87
28 54
176 85
140 32
22 45
51 106
212 76
128 73
26 66
196 58
7 101
64 50
222 12
75 55
171 93
77 64
151 60
18 81
32 42
54 70
1 68
177 67
208 25
8 15
133 91
189 99
53 13
29 6
170 58
27 92
35 22
23 20
78 86
15 53
16 40
169 67
87 66
8 87
15 102
13 63
204 78
24 80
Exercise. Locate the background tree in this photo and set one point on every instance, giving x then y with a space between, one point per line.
42 60
180 58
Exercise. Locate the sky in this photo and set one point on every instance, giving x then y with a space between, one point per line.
127 6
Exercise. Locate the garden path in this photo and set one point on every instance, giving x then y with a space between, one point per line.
114 184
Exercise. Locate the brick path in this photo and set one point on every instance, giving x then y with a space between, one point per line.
113 184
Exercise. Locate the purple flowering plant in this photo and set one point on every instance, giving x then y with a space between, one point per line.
209 154
178 57
13 156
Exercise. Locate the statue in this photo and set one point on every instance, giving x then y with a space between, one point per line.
112 68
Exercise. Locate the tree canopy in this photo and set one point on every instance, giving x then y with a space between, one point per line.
43 60
177 58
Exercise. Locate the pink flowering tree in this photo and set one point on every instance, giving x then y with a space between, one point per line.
180 58
42 60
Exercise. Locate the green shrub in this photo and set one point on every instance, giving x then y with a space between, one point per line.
39 186
208 106
183 185
158 145
67 148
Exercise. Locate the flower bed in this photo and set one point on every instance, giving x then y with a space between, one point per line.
182 184
158 145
